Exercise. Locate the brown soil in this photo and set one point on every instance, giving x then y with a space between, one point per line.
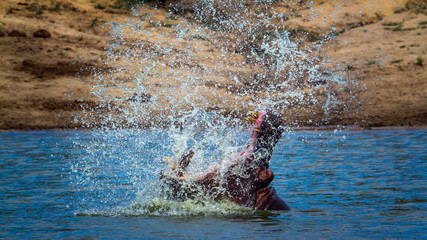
49 49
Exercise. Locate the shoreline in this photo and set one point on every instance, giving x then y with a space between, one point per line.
299 129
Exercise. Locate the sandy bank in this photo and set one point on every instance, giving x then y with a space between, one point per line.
47 77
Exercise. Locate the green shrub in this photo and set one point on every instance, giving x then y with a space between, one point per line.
420 61
100 6
56 7
369 63
35 7
127 4
392 24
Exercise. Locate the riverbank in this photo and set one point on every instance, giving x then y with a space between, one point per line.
49 50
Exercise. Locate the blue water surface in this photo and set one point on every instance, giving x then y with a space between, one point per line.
346 185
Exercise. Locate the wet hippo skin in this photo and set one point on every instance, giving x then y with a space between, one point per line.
246 180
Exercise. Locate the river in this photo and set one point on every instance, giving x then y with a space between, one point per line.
339 184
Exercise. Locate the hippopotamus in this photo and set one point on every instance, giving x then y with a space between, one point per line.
245 180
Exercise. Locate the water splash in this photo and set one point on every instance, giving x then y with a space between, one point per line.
164 207
191 81
118 170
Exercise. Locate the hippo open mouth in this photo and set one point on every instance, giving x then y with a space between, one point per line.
246 180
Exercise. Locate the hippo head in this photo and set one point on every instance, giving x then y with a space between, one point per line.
266 132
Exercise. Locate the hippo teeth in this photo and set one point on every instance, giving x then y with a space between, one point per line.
252 117
255 115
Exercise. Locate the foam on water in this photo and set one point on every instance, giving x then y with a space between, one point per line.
164 207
